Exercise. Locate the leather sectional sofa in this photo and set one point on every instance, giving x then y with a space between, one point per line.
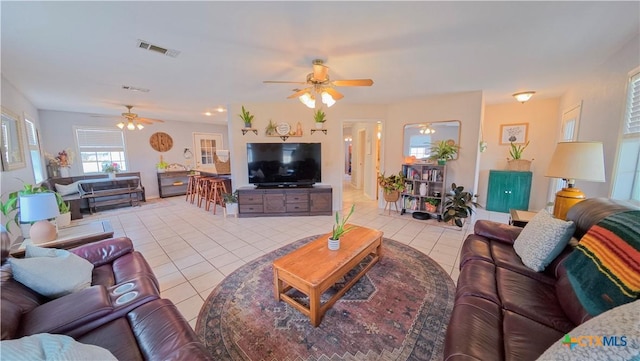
506 311
121 311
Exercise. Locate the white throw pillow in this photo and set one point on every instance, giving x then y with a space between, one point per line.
45 346
620 326
542 240
52 272
65 190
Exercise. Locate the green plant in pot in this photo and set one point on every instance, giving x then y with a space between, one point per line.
444 151
230 203
392 185
246 117
458 205
13 205
516 150
339 229
271 128
431 204
517 163
319 117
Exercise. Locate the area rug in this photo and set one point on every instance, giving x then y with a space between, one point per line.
398 311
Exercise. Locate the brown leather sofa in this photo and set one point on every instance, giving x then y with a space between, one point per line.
122 311
506 311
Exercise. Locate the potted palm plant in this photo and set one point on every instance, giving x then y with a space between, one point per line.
319 117
339 230
458 205
246 117
392 186
444 151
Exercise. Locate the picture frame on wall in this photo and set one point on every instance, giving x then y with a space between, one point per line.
513 133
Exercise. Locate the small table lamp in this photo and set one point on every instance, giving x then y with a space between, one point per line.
571 161
39 208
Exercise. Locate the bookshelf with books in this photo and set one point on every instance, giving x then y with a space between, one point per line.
424 188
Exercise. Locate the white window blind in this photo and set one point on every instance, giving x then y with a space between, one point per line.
99 139
632 116
32 138
98 147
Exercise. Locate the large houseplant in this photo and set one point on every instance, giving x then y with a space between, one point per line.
458 205
444 151
392 185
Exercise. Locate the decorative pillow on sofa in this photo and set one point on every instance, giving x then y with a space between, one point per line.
609 336
65 190
45 346
542 240
52 272
603 270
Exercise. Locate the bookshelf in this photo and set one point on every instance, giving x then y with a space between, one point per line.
432 179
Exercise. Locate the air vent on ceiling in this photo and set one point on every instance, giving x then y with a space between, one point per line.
158 49
135 89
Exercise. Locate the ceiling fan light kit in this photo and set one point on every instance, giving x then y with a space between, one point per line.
318 82
132 121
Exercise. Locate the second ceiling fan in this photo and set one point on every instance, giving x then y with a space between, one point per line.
319 83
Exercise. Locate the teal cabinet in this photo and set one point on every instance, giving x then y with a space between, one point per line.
508 190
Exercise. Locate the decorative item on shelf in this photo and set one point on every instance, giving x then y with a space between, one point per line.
573 161
111 169
444 150
162 166
339 230
271 128
410 159
458 205
517 163
431 205
298 129
40 208
423 189
246 117
319 117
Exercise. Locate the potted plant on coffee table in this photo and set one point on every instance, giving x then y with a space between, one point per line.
339 230
458 205
392 186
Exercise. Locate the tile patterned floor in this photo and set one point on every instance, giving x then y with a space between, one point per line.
192 250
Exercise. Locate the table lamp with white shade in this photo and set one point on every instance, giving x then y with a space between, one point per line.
39 208
575 161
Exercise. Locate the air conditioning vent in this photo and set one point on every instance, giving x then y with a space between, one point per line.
135 89
158 49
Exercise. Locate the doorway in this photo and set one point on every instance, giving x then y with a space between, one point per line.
362 143
205 145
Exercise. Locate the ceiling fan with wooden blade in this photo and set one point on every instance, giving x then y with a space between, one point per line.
318 81
132 119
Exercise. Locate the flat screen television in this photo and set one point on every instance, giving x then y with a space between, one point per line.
284 164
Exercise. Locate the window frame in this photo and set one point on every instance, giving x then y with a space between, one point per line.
125 158
37 162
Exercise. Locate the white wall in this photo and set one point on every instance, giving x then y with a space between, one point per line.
465 107
293 112
10 181
57 134
603 96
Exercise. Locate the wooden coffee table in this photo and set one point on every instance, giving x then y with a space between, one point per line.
313 269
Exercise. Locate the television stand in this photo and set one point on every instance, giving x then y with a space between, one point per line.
285 201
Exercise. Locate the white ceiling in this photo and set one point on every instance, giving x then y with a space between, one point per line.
75 56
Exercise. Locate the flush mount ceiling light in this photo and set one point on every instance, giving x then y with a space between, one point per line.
523 96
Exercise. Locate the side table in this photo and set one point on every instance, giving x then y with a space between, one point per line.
520 218
69 237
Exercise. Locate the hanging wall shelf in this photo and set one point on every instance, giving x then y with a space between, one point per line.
318 130
246 130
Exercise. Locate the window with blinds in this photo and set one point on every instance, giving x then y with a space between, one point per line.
99 147
627 172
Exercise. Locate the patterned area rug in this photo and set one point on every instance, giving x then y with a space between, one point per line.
398 311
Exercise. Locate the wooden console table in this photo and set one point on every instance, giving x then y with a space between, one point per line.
295 201
313 269
69 237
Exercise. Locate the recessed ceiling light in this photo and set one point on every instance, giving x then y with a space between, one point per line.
221 109
207 114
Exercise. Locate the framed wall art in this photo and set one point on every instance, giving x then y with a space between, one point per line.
513 133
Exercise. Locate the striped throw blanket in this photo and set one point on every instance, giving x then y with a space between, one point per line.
604 270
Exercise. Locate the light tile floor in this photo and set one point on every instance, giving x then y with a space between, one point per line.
192 250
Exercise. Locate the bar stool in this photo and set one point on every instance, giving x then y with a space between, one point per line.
216 189
202 190
192 187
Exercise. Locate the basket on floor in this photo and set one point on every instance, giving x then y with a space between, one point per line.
222 167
